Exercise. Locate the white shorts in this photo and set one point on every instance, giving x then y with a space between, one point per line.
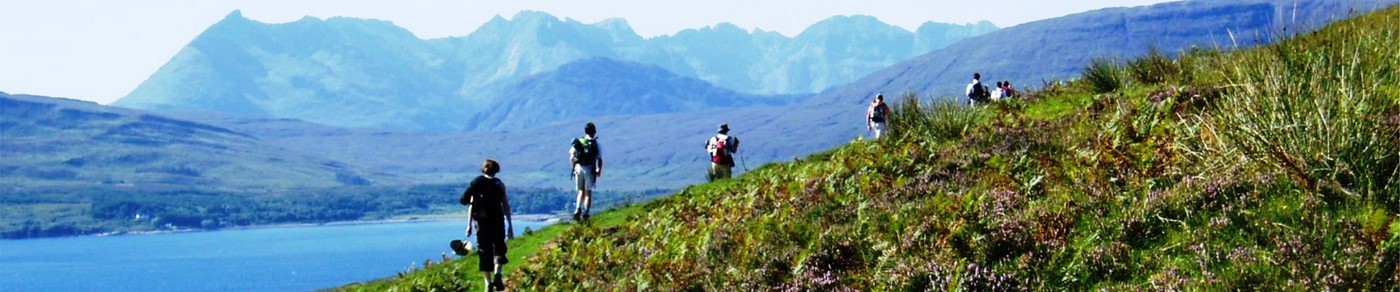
585 178
880 129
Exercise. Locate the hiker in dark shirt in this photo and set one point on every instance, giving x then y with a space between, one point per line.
976 92
877 116
586 158
489 208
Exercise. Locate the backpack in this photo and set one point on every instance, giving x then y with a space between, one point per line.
723 154
878 115
979 92
585 151
484 195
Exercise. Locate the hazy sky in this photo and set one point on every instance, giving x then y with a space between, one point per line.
100 50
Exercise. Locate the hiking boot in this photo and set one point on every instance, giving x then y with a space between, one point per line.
586 216
576 217
498 284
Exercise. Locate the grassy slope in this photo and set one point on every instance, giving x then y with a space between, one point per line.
1273 168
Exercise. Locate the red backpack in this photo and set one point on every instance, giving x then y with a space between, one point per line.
722 153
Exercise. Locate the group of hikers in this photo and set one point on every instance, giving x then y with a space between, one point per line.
978 93
489 209
877 116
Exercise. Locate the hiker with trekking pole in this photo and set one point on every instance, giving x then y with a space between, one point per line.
721 148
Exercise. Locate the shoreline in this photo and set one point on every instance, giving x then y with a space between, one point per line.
425 218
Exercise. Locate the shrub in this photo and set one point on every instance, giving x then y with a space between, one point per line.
1104 75
938 119
1154 68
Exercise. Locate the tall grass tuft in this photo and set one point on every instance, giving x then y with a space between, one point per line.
1154 68
1313 108
940 119
1104 75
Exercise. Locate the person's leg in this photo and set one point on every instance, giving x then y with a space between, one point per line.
578 204
591 182
711 174
723 172
582 185
486 285
587 203
500 260
485 262
498 282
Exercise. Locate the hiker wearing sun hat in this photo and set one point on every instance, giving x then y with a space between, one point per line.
721 148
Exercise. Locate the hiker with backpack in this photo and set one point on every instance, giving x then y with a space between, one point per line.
976 92
877 115
587 162
489 208
721 148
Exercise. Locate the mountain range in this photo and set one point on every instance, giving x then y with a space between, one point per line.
368 73
650 147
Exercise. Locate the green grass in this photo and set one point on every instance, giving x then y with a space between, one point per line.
460 274
1270 168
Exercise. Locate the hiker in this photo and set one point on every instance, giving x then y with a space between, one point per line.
997 93
1007 92
587 161
488 207
721 148
976 92
876 116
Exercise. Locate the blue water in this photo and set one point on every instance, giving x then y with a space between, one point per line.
263 259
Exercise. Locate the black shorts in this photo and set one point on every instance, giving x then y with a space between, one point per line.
491 246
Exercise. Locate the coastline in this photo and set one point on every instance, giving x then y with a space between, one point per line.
547 218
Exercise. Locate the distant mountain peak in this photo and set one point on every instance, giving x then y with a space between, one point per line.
848 23
618 28
236 13
531 16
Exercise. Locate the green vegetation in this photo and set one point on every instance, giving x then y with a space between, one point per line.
1275 168
461 274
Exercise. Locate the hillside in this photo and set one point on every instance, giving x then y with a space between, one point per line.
57 142
1267 168
372 74
836 113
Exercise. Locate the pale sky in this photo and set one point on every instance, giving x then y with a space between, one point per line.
100 50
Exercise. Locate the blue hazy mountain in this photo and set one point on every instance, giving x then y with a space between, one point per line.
367 73
829 53
600 87
50 142
340 71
